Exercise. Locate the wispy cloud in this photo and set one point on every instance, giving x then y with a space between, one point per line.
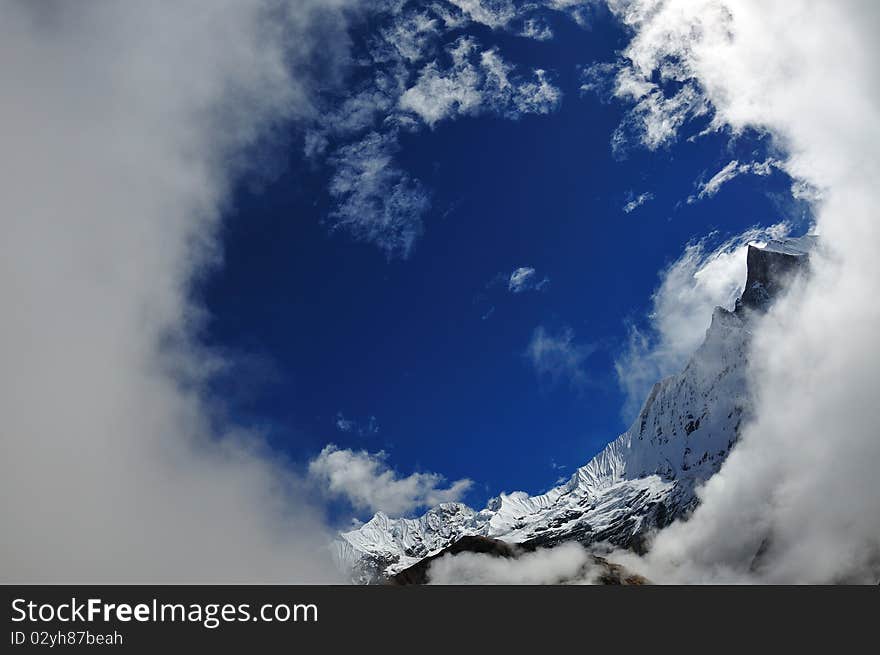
559 468
537 29
413 78
730 171
521 280
364 429
474 82
655 119
525 278
637 201
377 201
125 124
558 357
516 16
492 13
411 35
702 278
365 480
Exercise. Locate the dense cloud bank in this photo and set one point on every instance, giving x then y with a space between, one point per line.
798 499
123 128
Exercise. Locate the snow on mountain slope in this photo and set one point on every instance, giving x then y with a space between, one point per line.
641 481
382 541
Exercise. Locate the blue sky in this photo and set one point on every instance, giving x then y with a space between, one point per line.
425 354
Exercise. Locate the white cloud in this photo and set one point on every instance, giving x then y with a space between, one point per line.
410 77
123 125
599 78
376 201
637 201
536 29
365 481
566 563
411 34
343 424
368 428
506 14
452 17
525 278
521 279
475 82
492 13
797 499
442 94
731 170
681 309
357 113
558 356
535 96
655 119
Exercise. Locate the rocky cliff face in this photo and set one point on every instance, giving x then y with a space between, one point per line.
771 268
641 481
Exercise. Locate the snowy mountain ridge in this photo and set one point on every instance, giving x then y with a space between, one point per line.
639 482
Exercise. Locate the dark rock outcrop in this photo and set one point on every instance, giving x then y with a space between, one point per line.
769 272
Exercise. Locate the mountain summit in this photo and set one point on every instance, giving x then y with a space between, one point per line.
640 482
